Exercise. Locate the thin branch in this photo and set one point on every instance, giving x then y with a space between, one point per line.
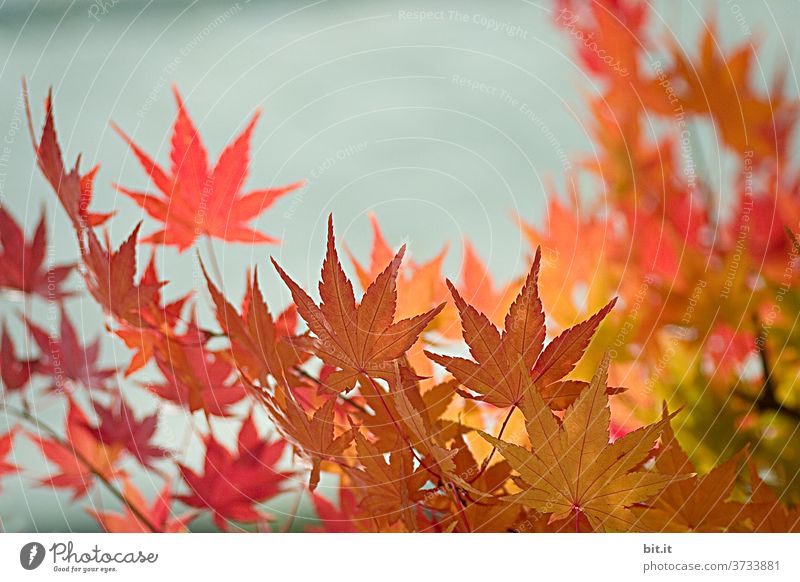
341 397
485 464
767 398
213 258
52 433
293 511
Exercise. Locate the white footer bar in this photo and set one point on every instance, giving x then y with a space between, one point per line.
355 557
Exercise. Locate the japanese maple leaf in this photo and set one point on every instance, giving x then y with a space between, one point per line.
635 167
411 415
403 416
652 246
509 365
22 263
765 512
159 515
6 446
695 503
728 348
569 229
118 425
334 519
613 31
572 470
195 199
386 485
762 218
479 288
611 38
720 85
158 321
310 393
258 342
232 483
73 190
489 513
380 254
79 456
111 279
15 373
196 378
726 274
420 286
314 437
67 362
357 339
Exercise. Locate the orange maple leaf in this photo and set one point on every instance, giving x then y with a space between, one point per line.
158 320
696 503
572 470
386 484
720 86
111 278
509 365
159 514
195 199
80 456
258 343
765 512
361 339
314 437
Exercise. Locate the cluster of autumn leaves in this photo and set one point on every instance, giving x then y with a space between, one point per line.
696 240
575 430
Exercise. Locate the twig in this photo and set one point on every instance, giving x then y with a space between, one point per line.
767 398
293 512
41 425
485 464
213 258
342 397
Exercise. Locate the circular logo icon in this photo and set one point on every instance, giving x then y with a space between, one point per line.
31 555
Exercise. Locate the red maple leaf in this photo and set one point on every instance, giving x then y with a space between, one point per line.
111 279
158 319
258 343
336 519
609 34
197 378
195 199
120 427
6 446
73 190
159 514
14 372
22 264
68 362
232 483
79 456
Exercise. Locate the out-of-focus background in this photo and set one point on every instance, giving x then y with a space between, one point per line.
444 119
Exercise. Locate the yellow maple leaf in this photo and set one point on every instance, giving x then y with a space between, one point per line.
573 470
